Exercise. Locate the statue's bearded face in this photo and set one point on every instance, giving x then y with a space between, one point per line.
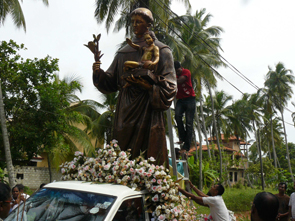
139 25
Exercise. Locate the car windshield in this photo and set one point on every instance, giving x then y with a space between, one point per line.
67 205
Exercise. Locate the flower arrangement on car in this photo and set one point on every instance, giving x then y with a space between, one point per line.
111 165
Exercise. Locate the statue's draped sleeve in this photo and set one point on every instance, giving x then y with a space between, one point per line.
106 82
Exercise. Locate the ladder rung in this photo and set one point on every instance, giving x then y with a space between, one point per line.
183 161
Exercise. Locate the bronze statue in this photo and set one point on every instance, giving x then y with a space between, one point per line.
139 120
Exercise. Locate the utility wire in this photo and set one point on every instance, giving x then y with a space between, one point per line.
196 53
213 51
235 70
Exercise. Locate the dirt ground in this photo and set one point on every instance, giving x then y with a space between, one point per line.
243 216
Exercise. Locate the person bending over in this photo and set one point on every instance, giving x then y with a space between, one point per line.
213 199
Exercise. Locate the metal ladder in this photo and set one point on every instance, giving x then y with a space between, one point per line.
173 157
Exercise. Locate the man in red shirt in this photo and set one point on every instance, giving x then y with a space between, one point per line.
186 103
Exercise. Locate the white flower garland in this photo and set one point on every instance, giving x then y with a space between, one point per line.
112 165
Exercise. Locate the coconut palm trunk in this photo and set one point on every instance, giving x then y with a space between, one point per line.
204 126
260 158
200 149
273 143
287 148
248 178
216 132
8 158
257 137
268 148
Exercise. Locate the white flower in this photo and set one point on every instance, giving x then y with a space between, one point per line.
107 167
122 154
77 153
152 159
155 198
161 217
114 141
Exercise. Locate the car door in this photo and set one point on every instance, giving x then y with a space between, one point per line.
132 209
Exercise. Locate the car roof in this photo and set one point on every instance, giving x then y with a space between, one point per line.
117 190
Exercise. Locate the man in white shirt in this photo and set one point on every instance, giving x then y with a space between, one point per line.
213 200
292 206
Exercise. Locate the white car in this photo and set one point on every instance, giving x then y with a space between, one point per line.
79 201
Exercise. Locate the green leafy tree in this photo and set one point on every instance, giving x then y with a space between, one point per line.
43 110
13 8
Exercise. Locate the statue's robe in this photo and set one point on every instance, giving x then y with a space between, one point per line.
139 120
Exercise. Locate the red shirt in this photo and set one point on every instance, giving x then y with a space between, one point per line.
185 89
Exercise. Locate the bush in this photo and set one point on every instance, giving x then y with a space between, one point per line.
239 200
28 191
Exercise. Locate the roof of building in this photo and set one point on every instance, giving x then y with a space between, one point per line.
227 149
231 138
244 143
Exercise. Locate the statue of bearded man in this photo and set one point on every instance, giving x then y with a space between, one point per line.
139 119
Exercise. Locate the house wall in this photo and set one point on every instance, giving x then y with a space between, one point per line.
32 177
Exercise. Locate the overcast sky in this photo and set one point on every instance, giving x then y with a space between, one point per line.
257 34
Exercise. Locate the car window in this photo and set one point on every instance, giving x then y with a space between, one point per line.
56 204
131 210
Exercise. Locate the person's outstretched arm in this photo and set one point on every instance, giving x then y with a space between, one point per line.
199 192
197 199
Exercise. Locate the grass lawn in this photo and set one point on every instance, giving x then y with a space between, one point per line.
237 200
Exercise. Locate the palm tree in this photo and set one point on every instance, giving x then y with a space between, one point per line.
106 10
221 113
201 40
103 126
266 100
13 8
280 82
239 119
6 141
71 113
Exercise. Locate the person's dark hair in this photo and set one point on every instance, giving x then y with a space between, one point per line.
20 187
177 153
42 184
220 189
4 192
283 183
267 206
14 188
177 65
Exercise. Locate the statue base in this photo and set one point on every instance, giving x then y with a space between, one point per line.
145 74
